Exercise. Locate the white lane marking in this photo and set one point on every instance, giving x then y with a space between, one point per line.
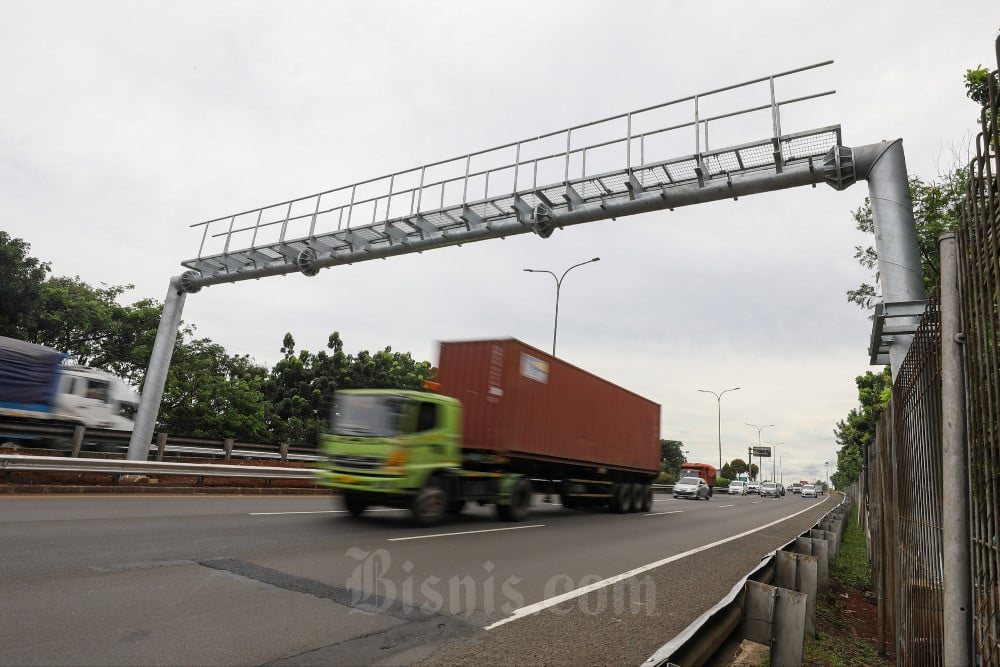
610 581
755 502
661 513
465 532
721 506
387 509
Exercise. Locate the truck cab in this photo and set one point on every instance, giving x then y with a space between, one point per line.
381 442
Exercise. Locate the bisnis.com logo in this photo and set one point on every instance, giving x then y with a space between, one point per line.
375 588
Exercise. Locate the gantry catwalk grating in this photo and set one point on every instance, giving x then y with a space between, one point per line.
496 192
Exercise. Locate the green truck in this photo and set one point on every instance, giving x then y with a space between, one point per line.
504 421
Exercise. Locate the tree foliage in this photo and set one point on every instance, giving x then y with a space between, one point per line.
857 432
21 280
671 457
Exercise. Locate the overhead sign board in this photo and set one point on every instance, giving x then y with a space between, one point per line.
762 451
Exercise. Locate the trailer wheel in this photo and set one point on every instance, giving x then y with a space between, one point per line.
621 498
354 503
647 497
635 491
428 506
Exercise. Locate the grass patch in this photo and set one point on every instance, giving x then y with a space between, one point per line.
836 643
850 568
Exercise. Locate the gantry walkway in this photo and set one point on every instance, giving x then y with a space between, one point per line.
533 185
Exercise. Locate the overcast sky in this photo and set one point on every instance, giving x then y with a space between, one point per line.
124 123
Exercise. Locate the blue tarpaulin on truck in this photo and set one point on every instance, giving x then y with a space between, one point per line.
29 374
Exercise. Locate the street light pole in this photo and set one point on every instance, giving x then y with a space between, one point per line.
759 429
718 399
555 326
827 464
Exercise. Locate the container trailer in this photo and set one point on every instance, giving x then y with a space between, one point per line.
501 421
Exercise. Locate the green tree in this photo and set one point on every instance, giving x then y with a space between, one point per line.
21 280
301 385
857 432
738 466
727 471
213 395
671 456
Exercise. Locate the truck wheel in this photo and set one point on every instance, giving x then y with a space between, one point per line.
647 497
355 503
428 506
520 500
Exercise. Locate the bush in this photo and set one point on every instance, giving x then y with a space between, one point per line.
722 481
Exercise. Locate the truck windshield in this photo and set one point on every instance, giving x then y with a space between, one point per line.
367 415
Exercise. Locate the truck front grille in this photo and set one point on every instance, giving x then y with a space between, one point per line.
357 462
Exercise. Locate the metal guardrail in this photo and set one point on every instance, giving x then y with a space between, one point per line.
699 643
79 437
10 462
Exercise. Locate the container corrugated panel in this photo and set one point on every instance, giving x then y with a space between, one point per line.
521 402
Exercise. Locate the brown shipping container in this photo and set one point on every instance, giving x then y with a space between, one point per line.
521 402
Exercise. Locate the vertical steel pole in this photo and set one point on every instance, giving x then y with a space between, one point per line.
956 551
900 273
156 374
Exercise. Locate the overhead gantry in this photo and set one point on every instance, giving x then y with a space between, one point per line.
606 169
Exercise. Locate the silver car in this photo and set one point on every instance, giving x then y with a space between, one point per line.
770 489
809 491
692 487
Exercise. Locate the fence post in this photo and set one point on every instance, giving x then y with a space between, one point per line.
78 440
955 486
283 448
227 444
161 445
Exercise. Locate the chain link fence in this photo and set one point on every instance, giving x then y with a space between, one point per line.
901 485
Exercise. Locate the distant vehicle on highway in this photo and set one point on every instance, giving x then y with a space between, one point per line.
737 487
704 470
781 488
796 488
770 489
753 487
810 491
692 487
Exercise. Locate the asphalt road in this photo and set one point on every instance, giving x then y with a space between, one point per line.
204 580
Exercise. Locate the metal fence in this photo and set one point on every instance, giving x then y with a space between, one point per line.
901 487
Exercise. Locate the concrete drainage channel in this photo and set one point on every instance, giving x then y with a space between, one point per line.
774 605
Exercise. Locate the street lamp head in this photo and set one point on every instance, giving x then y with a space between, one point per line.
596 259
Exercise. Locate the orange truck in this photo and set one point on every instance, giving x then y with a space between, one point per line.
705 471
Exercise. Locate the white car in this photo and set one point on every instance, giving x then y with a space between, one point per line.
753 487
810 491
737 487
692 487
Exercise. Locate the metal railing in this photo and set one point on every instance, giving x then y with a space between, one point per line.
660 146
76 439
15 462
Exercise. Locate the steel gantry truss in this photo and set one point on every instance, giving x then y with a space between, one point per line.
520 187
651 159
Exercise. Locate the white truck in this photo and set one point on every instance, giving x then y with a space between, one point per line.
37 386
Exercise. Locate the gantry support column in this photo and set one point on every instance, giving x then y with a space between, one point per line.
156 374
